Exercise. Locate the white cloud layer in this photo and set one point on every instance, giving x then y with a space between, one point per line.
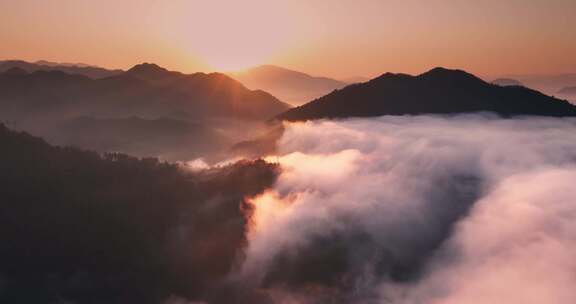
426 209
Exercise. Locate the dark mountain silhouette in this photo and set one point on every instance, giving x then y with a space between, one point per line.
145 90
506 82
440 91
151 72
71 68
290 86
80 227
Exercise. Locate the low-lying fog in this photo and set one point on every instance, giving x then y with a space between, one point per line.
421 209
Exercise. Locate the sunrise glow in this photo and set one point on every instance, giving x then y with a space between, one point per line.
288 151
234 35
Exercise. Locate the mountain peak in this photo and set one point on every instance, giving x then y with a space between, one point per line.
268 70
391 76
150 72
438 91
147 68
291 86
453 76
443 72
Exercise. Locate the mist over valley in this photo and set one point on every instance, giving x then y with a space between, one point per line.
287 152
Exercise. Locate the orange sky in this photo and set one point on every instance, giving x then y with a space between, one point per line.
337 38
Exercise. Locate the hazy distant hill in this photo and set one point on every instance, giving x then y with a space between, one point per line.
56 64
145 111
436 91
568 91
549 84
505 82
290 86
71 68
356 79
146 90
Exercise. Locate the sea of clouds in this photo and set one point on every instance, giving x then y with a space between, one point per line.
418 209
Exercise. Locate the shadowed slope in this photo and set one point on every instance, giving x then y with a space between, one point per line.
80 227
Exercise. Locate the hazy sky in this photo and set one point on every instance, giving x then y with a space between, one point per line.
338 38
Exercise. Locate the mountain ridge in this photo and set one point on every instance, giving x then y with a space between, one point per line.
145 88
438 91
93 227
94 72
289 85
568 90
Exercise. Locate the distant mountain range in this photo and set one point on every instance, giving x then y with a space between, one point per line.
439 90
145 90
548 84
58 64
151 111
568 91
356 79
70 68
145 111
290 86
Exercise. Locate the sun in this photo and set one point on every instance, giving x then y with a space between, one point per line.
235 35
